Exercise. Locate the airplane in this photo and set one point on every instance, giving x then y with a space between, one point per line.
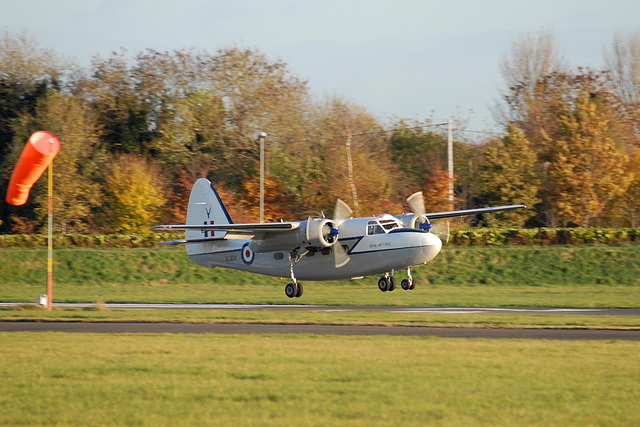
338 248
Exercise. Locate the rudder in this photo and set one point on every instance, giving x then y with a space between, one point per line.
206 208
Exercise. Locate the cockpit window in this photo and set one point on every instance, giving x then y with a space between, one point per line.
383 225
374 228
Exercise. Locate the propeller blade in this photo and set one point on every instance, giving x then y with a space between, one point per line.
342 211
340 256
416 203
441 229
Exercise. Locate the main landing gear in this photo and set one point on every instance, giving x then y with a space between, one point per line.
388 282
294 289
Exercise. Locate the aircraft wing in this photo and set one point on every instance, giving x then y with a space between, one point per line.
451 214
232 228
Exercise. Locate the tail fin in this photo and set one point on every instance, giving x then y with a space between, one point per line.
206 208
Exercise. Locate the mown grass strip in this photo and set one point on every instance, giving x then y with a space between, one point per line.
569 276
91 379
379 318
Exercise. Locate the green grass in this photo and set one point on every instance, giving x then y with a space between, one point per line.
331 317
146 379
571 276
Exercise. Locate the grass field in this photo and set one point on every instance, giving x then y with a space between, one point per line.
164 379
324 317
571 276
91 379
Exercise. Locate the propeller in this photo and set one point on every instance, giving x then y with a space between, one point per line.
341 212
439 228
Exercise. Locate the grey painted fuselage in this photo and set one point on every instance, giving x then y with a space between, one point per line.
369 254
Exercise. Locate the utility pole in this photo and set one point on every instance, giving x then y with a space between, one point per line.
263 135
450 162
354 193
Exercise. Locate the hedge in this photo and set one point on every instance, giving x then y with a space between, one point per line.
86 240
458 237
543 236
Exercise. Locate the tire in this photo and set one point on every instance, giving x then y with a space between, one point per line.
383 284
300 291
291 290
392 284
405 284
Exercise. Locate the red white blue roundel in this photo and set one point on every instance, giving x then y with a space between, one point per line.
247 254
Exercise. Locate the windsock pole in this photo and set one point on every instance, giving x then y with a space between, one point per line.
36 156
50 240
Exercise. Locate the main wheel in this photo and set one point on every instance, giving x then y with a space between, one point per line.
383 284
392 284
405 284
300 291
291 290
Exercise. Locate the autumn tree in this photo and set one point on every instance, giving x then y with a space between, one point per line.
121 112
420 151
190 135
275 201
77 193
27 74
586 166
623 61
626 208
136 195
353 152
532 57
509 174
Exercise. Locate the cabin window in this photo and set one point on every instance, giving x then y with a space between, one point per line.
278 256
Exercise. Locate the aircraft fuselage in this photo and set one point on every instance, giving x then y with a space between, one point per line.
369 254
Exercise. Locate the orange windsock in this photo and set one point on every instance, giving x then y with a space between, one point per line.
36 156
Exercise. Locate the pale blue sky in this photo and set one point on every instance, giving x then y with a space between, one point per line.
397 58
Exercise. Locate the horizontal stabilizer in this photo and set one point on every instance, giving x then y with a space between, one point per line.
233 228
451 214
175 242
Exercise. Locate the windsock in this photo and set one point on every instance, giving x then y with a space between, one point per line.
36 156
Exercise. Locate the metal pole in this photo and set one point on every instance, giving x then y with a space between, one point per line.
450 162
50 240
263 135
354 193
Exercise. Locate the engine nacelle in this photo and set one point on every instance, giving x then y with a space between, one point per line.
412 220
314 233
320 233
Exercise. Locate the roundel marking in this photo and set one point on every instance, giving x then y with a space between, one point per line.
247 254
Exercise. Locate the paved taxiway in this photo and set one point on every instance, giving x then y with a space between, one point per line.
388 308
234 328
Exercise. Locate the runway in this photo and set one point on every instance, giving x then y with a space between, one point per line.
329 308
260 329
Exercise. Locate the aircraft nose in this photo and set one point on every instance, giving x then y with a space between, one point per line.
431 245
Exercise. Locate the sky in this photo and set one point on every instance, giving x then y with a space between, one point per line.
399 59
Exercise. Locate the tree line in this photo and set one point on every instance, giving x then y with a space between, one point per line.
138 129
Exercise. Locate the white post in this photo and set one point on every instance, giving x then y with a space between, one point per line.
50 238
450 162
263 135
